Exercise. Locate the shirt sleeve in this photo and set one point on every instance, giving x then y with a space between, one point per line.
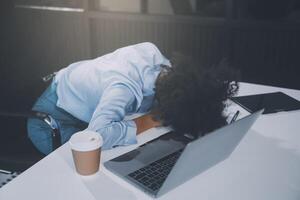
108 118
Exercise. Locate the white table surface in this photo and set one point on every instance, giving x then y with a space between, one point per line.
265 166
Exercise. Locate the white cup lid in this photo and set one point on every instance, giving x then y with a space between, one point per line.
85 141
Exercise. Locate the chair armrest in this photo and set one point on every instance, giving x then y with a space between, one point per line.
56 137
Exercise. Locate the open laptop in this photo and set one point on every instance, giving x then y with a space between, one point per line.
170 160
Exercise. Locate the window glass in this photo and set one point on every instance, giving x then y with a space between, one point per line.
51 3
121 5
268 10
204 8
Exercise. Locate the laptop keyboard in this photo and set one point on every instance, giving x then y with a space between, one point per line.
153 175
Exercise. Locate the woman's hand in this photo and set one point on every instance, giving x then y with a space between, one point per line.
145 122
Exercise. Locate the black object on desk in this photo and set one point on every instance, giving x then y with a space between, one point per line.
271 102
7 177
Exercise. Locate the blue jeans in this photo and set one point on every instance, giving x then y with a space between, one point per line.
40 133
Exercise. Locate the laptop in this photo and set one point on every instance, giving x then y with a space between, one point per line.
170 160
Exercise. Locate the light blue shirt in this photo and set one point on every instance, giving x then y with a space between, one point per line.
104 90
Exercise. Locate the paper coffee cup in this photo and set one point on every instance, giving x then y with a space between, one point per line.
86 151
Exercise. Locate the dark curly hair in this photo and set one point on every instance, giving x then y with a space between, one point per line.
191 98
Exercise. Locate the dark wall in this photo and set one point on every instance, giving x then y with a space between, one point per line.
34 44
268 53
10 98
38 42
7 48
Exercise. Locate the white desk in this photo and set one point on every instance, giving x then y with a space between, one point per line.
265 165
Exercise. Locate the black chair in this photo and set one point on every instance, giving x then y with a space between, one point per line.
17 153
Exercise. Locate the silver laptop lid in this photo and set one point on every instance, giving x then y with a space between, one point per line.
207 151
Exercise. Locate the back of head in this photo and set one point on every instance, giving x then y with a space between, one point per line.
191 98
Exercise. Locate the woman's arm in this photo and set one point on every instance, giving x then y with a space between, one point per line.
108 117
